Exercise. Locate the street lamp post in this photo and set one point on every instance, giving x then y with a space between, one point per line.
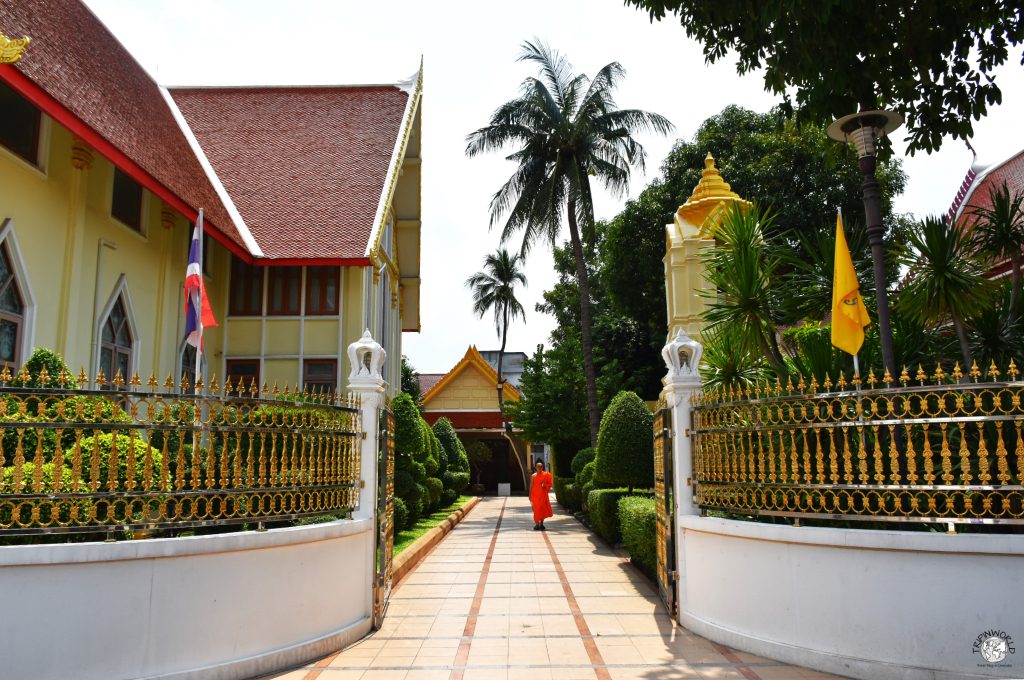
863 130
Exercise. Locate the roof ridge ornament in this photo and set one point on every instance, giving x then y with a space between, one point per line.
11 49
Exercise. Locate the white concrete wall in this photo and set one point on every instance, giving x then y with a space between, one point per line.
859 603
220 607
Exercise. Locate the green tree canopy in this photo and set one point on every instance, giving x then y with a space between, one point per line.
934 62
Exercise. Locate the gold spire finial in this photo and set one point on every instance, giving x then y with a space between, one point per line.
709 161
11 50
711 193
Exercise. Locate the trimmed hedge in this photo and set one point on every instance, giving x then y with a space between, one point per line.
637 522
434 489
583 457
567 493
603 506
401 518
625 444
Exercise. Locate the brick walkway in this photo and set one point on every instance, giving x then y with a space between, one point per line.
496 600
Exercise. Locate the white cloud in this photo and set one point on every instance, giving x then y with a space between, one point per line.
469 49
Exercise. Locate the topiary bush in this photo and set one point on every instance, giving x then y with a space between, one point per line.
625 444
603 506
408 432
448 497
54 364
450 444
24 513
567 493
637 522
401 517
434 489
583 457
104 444
586 475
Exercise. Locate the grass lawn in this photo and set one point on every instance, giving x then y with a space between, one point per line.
403 539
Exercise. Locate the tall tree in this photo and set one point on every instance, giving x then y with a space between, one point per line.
411 382
494 290
566 128
934 62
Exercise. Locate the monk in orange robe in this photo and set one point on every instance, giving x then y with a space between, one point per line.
540 486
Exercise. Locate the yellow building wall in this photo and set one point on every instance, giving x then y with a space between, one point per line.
470 389
76 255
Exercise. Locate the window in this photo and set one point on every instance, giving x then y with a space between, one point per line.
244 369
12 309
283 293
246 289
320 375
19 124
321 290
116 343
126 204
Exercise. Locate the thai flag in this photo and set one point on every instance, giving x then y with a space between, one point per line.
198 314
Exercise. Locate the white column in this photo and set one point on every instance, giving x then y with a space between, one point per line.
366 357
682 358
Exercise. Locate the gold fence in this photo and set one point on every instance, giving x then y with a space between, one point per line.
134 457
943 448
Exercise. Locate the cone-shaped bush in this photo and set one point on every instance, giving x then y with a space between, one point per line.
408 432
625 444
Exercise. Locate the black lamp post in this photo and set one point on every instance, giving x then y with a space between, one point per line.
863 130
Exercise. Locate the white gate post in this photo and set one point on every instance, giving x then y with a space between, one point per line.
682 357
366 357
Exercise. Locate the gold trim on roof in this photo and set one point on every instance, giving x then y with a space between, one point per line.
11 50
708 196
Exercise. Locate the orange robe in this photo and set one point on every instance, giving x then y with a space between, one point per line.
539 499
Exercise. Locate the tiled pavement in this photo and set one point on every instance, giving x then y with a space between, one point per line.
498 601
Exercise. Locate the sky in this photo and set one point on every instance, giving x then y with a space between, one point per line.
469 50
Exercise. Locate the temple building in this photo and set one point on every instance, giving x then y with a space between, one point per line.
311 200
467 396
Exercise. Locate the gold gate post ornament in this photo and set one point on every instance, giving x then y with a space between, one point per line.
11 50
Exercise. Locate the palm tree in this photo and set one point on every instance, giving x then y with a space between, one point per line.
945 278
566 129
494 289
742 273
998 231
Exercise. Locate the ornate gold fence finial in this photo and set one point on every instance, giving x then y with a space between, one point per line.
11 50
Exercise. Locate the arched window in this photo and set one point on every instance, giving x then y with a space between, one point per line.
12 311
116 343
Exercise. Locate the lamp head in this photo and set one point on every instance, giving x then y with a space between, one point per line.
864 129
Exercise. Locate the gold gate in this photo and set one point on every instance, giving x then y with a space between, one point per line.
664 505
385 515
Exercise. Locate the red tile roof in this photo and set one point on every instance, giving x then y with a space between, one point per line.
77 62
305 166
1010 171
428 380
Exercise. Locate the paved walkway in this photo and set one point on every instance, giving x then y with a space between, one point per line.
498 601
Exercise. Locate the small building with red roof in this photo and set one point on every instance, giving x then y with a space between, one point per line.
310 198
467 395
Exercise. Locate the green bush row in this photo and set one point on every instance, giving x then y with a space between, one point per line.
637 521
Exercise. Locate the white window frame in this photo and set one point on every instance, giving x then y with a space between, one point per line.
9 237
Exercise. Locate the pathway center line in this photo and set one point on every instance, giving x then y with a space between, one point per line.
462 656
593 652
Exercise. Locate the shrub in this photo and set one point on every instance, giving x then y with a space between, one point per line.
450 444
580 459
408 432
625 444
567 493
448 497
455 481
603 505
401 517
404 483
637 521
104 443
434 489
46 510
586 475
54 364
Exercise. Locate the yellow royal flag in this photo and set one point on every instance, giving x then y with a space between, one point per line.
849 316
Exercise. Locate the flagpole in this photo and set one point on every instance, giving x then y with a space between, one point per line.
199 312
